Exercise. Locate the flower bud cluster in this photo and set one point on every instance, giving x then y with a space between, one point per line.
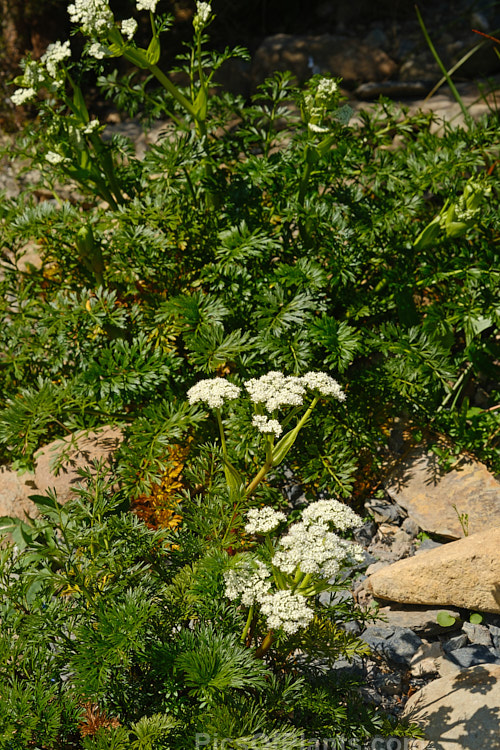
202 16
318 101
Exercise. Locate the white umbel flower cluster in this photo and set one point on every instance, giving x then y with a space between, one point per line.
213 392
91 126
97 50
202 16
313 549
54 54
324 384
93 16
146 5
327 87
263 520
266 425
249 580
334 512
283 609
275 390
129 27
54 158
21 96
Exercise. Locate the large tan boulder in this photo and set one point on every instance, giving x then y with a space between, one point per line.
460 711
306 55
14 492
465 573
435 499
77 451
56 468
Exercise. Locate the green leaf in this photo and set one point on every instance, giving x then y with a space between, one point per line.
445 619
153 51
476 618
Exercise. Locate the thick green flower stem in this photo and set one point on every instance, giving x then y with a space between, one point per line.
258 478
107 166
304 583
201 128
221 432
247 624
265 645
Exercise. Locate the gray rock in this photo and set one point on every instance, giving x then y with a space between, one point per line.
477 634
384 511
427 544
395 644
495 635
458 641
422 620
411 527
389 684
472 656
365 533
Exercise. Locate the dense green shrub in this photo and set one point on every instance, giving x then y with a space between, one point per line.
289 240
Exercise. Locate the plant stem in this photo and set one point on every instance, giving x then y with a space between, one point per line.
265 645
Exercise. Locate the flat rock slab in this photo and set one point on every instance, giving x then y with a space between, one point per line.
421 620
465 574
428 495
14 492
460 711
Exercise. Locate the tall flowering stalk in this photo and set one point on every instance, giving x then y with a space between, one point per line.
81 154
303 560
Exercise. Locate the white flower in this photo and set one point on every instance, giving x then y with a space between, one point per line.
54 158
129 27
326 88
91 126
94 16
202 17
97 50
33 74
55 53
146 5
267 426
22 95
327 386
263 520
275 390
317 128
248 581
332 511
312 548
286 610
213 392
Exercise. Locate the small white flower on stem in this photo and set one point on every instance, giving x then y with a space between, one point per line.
247 581
20 96
129 27
263 520
54 54
146 5
275 390
213 392
286 610
266 425
327 386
